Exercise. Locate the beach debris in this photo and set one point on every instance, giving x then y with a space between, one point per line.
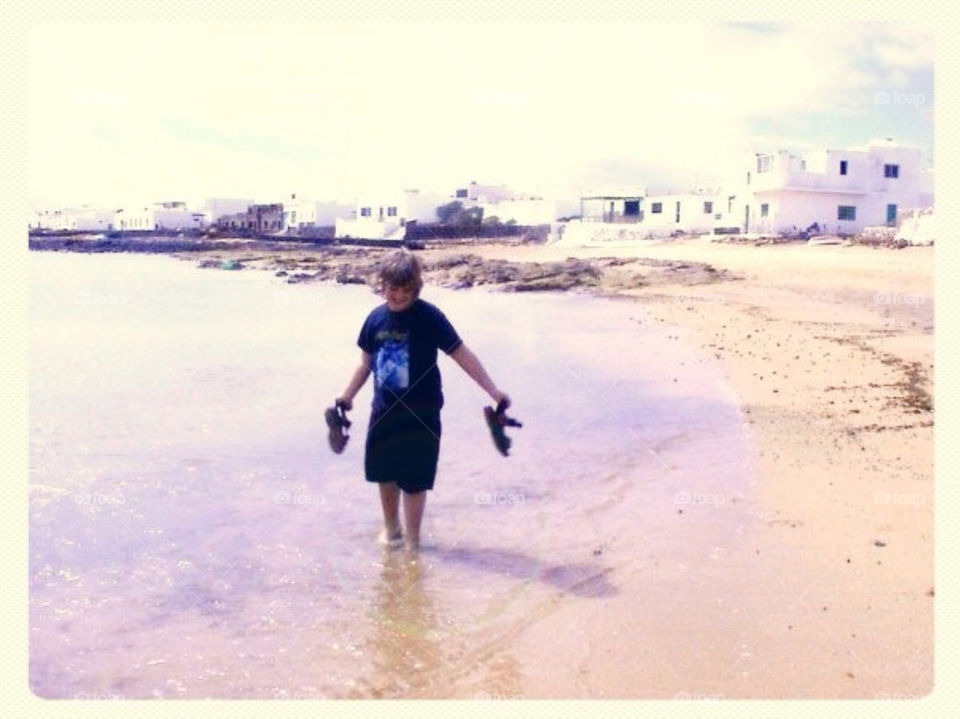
879 543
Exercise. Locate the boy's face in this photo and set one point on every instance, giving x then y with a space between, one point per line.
398 297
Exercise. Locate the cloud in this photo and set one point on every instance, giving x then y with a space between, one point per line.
182 109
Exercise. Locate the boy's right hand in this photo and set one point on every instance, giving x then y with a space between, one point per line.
344 402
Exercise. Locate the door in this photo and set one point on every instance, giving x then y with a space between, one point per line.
746 218
677 215
891 215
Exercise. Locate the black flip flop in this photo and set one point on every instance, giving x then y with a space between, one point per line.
337 423
496 421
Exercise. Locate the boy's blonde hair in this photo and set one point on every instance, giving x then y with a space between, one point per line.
401 269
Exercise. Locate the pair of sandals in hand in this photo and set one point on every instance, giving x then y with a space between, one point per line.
497 420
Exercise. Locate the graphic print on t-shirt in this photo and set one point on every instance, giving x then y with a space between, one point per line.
392 364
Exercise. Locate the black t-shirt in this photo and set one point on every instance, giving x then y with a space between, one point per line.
403 349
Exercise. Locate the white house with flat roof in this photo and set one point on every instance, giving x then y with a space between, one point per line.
839 191
385 215
301 213
506 204
689 213
75 219
159 216
613 204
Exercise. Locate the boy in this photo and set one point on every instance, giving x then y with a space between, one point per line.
399 342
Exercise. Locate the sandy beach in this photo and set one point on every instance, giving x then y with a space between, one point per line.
830 350
829 353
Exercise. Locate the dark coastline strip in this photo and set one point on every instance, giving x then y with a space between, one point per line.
157 246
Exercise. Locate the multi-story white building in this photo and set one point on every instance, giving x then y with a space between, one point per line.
384 216
838 191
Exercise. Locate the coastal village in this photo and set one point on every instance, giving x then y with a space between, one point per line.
878 191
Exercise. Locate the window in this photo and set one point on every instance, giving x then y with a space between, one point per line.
708 208
461 194
656 208
846 212
843 167
764 209
891 170
391 212
631 208
730 202
764 163
364 212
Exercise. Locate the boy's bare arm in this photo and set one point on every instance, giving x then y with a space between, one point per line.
357 381
464 357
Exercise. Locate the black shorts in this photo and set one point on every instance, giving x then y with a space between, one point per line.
403 447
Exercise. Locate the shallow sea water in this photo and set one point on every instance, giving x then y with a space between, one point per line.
192 535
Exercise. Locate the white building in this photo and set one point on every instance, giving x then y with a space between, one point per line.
689 213
300 213
506 204
77 219
613 205
384 216
840 191
160 216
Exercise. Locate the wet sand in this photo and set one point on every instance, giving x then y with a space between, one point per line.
829 351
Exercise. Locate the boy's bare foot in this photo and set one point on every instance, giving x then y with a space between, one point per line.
392 539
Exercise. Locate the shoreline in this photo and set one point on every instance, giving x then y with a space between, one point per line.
829 350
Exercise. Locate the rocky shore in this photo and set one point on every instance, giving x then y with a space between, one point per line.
448 267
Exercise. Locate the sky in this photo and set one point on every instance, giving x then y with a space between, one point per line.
135 113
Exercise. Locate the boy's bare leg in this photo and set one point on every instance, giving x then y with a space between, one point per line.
390 503
413 505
